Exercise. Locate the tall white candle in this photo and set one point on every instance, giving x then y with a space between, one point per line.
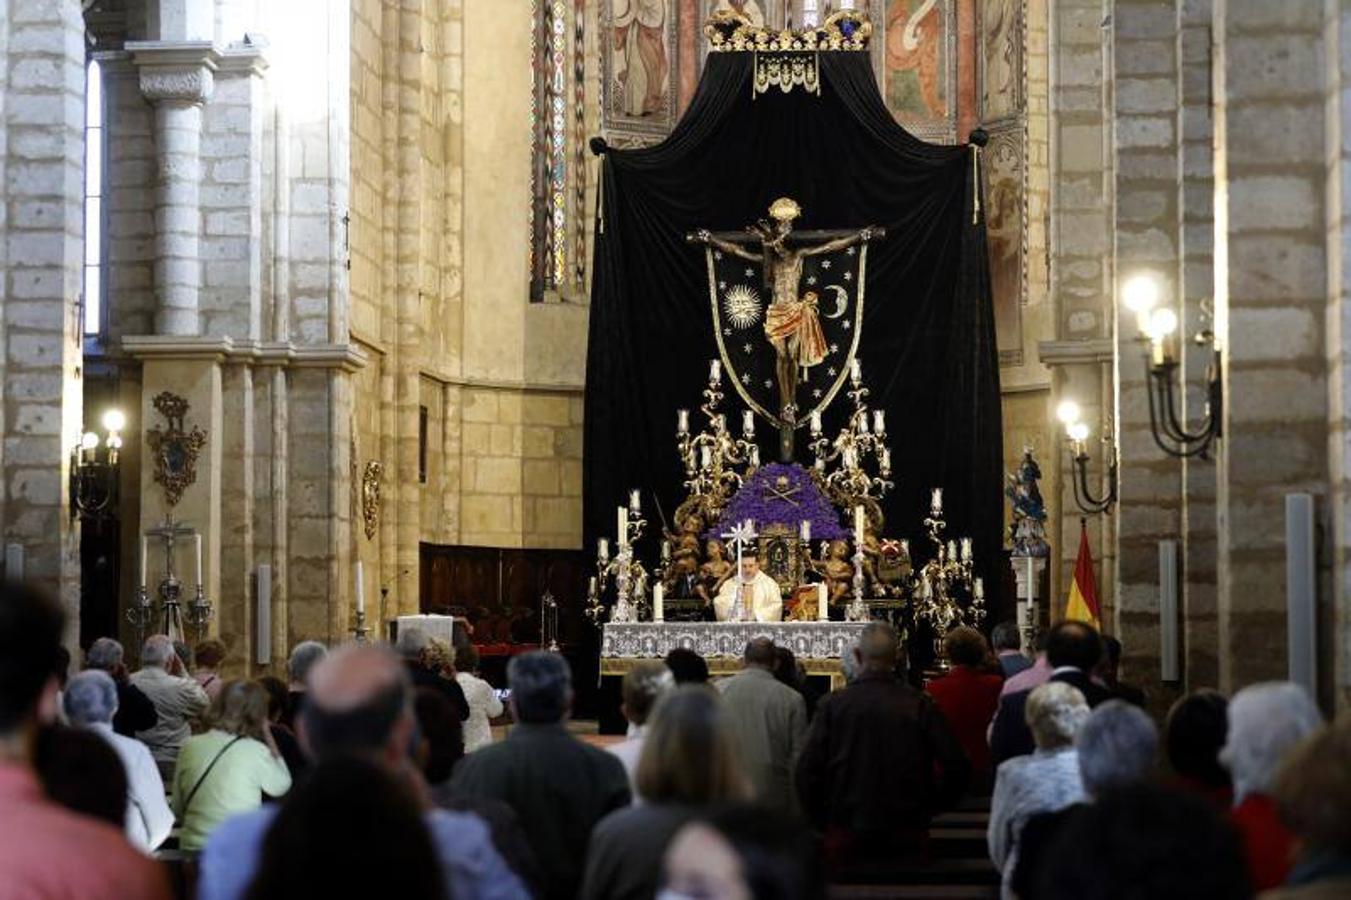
665 550
658 603
816 421
1031 581
361 588
936 502
805 530
879 422
197 541
591 588
755 457
714 371
952 550
705 457
623 525
855 371
858 523
603 549
682 421
143 552
822 603
966 549
636 501
748 422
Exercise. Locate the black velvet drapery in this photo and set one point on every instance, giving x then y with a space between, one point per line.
928 344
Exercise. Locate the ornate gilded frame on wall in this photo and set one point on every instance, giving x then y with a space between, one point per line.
175 450
370 498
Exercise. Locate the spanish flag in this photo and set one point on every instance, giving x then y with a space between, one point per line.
1083 603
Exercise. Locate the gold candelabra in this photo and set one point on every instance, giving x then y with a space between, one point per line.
711 456
861 438
947 578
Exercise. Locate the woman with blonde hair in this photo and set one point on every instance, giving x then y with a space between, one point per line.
688 765
227 769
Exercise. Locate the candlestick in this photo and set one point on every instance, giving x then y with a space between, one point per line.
936 502
748 424
822 603
805 530
635 501
623 526
197 540
658 603
816 422
714 371
682 421
603 549
361 588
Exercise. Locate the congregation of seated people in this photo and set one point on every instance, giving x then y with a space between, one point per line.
376 770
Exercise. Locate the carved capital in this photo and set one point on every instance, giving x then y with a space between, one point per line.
175 72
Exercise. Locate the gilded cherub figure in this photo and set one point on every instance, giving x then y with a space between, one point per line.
714 572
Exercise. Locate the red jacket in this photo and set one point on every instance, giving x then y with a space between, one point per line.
968 699
1267 843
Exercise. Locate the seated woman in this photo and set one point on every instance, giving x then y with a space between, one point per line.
229 768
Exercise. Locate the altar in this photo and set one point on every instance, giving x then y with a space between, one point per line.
819 646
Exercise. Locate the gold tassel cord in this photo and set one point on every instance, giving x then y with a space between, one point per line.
975 184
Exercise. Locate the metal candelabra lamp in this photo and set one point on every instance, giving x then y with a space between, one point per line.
851 484
710 456
629 574
94 471
171 613
943 580
548 622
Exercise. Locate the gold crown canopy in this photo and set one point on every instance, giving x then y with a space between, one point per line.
785 209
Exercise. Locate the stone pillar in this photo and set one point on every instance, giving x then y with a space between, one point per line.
176 77
1271 303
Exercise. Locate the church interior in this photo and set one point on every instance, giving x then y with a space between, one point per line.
574 342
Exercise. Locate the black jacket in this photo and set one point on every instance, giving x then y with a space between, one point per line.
870 759
135 712
449 688
1010 736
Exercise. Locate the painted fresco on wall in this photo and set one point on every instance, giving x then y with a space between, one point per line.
1005 225
639 74
919 66
1000 27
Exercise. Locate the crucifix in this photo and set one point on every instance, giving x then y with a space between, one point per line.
792 323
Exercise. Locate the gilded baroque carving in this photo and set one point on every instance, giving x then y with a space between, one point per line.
370 498
175 450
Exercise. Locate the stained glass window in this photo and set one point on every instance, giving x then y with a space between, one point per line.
558 188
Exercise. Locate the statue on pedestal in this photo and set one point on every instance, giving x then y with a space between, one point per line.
835 570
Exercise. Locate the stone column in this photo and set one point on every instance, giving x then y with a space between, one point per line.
176 77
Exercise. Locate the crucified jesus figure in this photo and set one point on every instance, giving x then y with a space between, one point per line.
792 322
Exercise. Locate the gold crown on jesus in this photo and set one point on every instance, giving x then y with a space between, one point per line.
784 209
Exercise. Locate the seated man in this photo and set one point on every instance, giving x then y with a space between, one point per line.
752 596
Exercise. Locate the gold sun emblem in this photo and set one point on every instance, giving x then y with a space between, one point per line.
742 305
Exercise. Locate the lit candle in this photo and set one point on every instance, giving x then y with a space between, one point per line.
714 372
816 422
635 501
592 589
197 541
603 549
755 457
623 526
805 530
863 423
361 588
682 421
855 371
858 523
879 422
748 423
966 549
980 589
143 551
658 603
936 502
886 460
952 549
850 458
665 550
822 603
705 457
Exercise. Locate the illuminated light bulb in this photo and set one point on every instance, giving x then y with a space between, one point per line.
1140 293
1067 412
1162 323
1077 431
114 420
89 441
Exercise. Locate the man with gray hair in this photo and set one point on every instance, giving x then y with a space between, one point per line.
178 700
304 656
90 702
1118 746
135 712
558 786
413 644
643 686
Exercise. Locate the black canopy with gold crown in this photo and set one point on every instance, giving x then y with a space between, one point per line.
772 120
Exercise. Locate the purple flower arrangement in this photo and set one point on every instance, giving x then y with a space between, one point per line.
780 494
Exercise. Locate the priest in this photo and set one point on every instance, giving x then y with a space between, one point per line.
752 596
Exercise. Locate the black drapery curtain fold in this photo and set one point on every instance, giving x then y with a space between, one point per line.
927 348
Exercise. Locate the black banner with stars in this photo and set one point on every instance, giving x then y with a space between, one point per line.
927 328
